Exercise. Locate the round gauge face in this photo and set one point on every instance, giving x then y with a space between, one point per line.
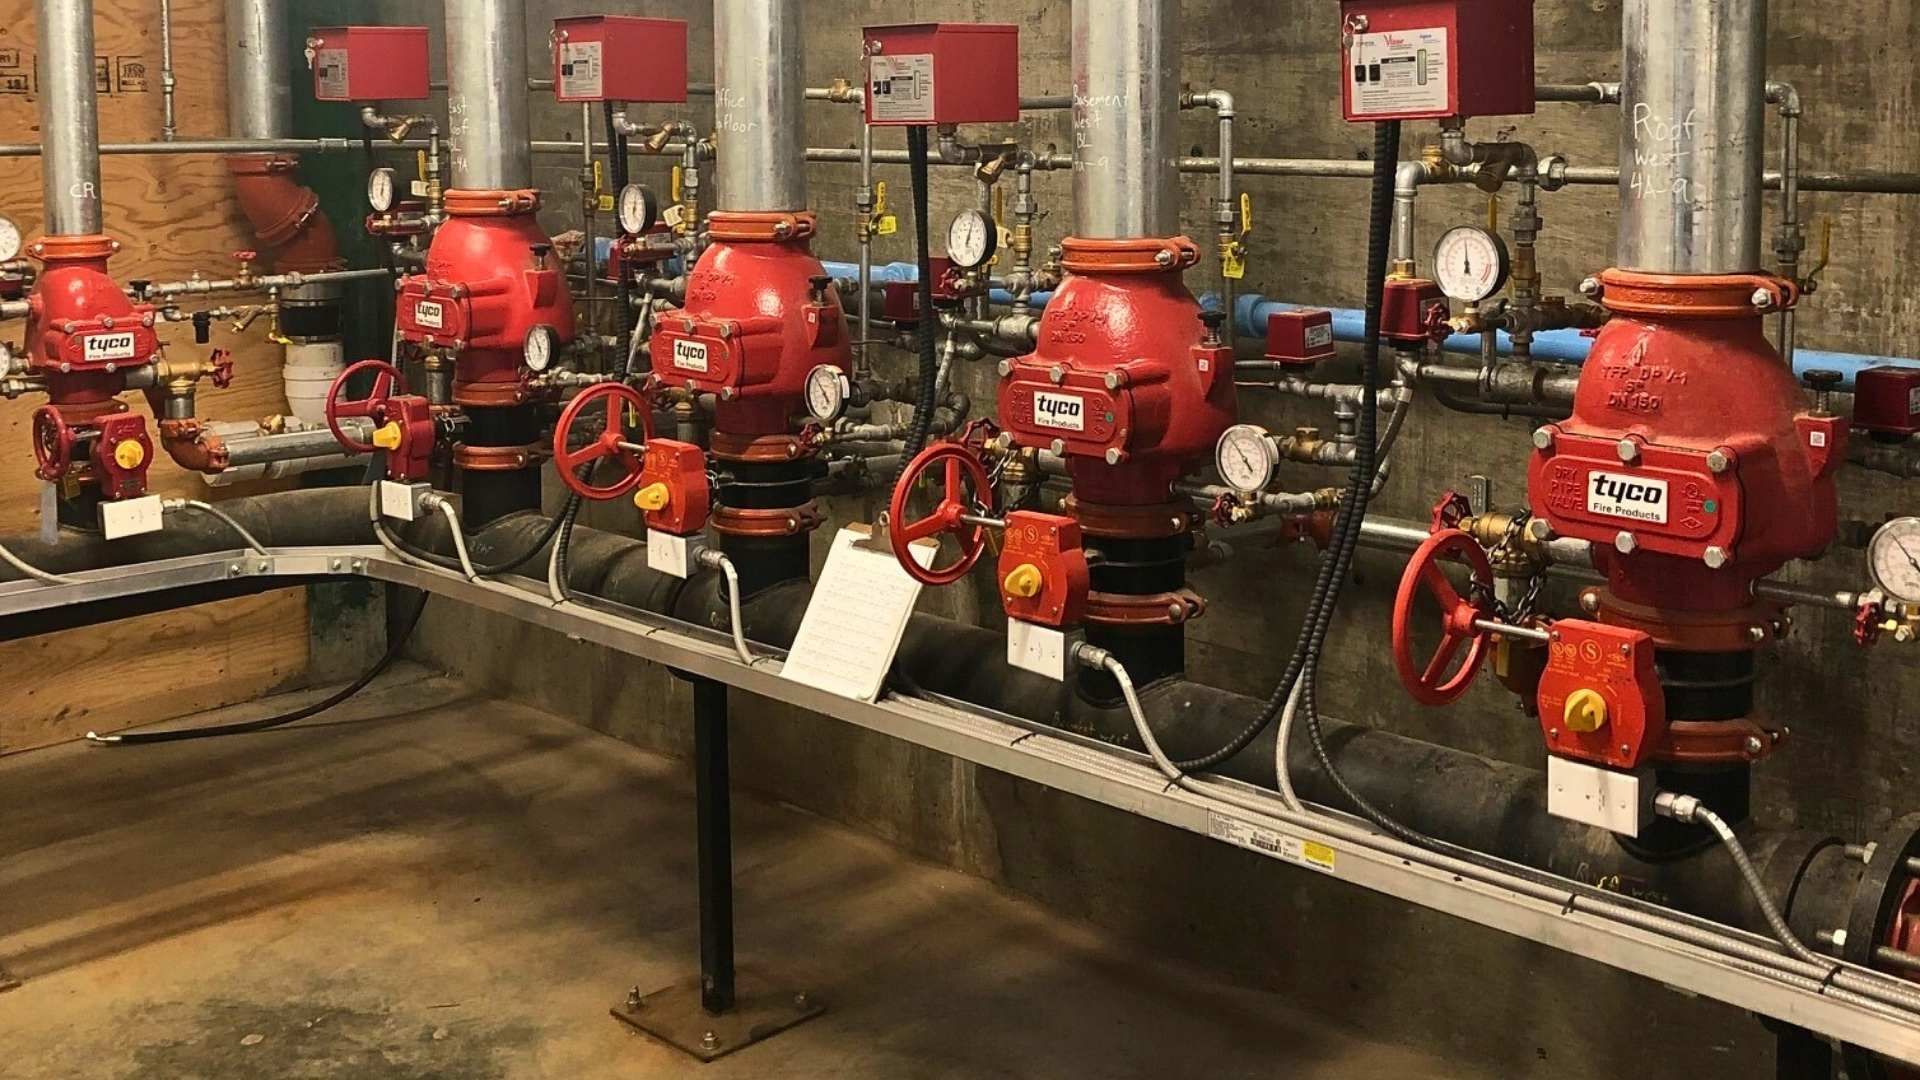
1893 558
380 190
9 240
971 239
639 209
1245 458
1470 263
826 392
539 348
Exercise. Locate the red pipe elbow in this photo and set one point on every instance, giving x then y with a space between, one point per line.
284 214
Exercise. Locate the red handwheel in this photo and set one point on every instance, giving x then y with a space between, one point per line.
387 382
1432 684
612 442
962 468
52 443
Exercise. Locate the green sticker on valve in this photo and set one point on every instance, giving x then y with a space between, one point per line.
1711 506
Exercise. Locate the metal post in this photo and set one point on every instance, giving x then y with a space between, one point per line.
715 826
760 162
69 118
486 107
1126 98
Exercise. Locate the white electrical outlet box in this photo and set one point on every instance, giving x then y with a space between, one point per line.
402 502
130 517
670 554
1042 650
1621 802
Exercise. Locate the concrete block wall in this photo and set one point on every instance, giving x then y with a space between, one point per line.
1369 962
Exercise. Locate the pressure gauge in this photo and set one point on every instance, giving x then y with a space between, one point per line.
972 238
827 390
1470 263
1893 558
9 240
639 209
540 347
1245 458
380 190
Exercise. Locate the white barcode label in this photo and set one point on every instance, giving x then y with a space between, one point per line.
1307 853
1319 337
902 87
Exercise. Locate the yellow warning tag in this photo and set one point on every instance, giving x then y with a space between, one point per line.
606 204
1233 261
886 225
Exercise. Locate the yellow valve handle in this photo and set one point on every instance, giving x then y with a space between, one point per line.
420 164
1024 581
654 496
674 190
881 222
880 198
129 454
599 177
1586 712
1246 213
388 436
1812 280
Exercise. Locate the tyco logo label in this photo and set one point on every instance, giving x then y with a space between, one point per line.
1636 498
430 315
690 356
103 347
1064 412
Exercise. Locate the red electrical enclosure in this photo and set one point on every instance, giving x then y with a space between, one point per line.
1429 59
943 73
368 63
619 58
1300 338
1886 400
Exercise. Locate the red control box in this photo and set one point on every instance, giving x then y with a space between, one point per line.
368 63
943 73
1300 338
1429 59
1886 400
619 58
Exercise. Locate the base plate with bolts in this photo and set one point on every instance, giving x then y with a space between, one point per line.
674 1015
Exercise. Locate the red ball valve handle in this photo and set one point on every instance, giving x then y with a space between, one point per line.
387 382
612 442
961 468
1431 683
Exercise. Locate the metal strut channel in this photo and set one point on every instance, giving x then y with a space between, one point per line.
1056 759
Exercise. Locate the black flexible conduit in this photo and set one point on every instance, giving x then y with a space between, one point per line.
488 569
396 645
617 152
924 325
1353 503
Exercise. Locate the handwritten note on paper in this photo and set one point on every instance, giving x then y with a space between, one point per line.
857 616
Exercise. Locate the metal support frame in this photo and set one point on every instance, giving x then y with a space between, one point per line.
1056 759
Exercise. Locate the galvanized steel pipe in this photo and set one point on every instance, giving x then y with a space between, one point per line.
69 118
1126 97
486 97
760 162
259 82
1692 135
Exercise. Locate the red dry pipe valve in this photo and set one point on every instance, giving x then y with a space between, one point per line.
761 313
1600 698
610 443
403 423
965 492
674 494
1124 381
1442 681
1043 570
1300 338
492 293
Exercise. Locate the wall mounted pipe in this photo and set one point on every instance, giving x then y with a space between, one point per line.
760 163
488 127
1126 96
69 118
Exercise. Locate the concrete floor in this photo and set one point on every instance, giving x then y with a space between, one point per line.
431 884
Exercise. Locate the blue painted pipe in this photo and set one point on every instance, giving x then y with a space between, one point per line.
1571 346
906 271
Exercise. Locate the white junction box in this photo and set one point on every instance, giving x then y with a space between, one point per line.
130 517
403 502
1621 802
670 554
1042 650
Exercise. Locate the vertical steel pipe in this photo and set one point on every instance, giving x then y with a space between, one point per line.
761 160
1126 97
1692 135
69 118
486 95
259 82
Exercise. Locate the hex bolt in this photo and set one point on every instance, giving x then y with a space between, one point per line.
1114 455
1762 300
1059 447
1176 612
1163 257
1590 287
1716 557
1539 530
1625 542
1756 634
334 566
1006 368
1114 380
1754 745
263 566
1056 374
1627 449
634 1000
1719 461
1542 439
1589 601
709 1041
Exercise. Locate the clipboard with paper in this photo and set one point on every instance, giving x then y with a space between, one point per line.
858 614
